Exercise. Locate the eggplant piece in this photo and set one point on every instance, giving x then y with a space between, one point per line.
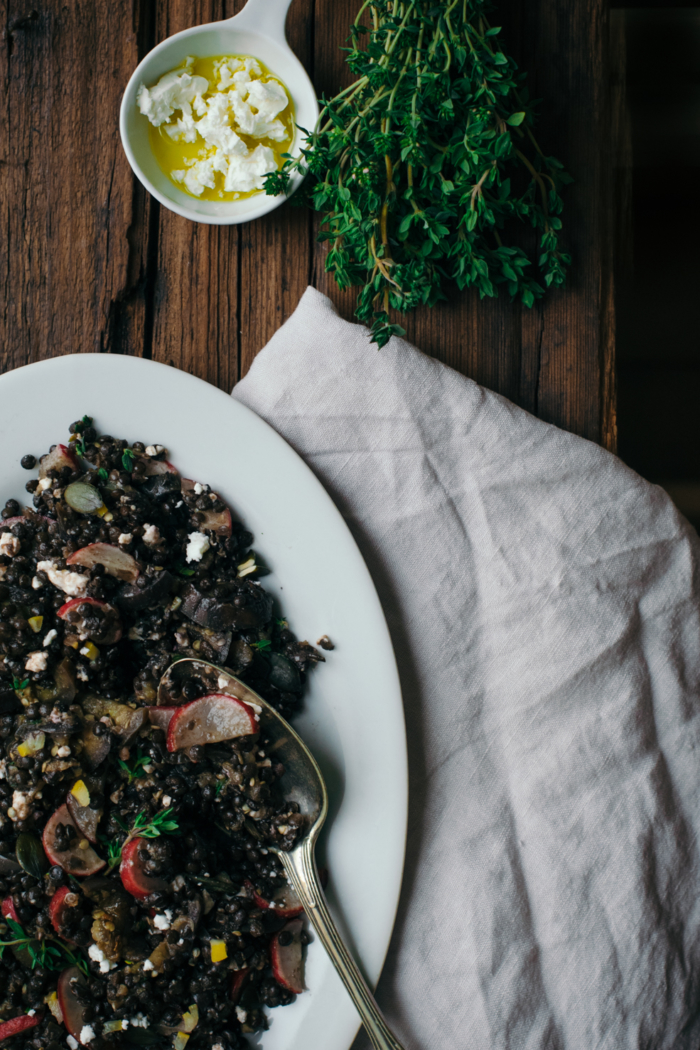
206 610
147 591
251 608
284 675
160 486
63 691
193 640
95 748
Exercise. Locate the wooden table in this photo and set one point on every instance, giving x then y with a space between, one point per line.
91 263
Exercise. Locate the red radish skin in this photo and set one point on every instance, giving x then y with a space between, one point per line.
116 562
114 627
238 982
161 716
209 720
71 1009
157 466
217 521
8 909
74 861
58 909
61 457
287 960
18 1024
134 879
285 902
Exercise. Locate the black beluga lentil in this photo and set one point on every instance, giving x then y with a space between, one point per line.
141 904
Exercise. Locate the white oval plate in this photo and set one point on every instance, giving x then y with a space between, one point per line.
353 714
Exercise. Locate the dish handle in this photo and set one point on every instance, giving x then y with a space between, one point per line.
301 871
264 16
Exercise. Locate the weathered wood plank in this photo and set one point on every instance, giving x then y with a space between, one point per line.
195 300
276 251
557 359
66 189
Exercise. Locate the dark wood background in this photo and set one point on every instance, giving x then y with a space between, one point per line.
91 263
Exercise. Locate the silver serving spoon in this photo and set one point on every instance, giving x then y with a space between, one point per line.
303 783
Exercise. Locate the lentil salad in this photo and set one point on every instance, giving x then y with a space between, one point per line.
151 888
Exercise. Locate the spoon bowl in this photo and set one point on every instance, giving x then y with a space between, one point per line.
258 31
301 782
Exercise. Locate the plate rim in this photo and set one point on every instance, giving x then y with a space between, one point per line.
107 361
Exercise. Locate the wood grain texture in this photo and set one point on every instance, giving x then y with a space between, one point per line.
94 264
65 185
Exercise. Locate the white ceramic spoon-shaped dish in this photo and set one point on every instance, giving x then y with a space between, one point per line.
258 30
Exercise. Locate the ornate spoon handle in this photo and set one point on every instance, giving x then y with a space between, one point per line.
300 867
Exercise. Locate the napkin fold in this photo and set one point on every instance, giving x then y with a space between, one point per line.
544 605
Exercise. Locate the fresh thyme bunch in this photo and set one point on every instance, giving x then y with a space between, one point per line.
410 164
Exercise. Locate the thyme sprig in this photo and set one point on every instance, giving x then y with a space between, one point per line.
137 770
143 828
41 952
409 165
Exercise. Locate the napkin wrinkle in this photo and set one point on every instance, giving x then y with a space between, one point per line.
544 606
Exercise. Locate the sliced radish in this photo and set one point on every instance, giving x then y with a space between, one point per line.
59 907
287 961
74 861
8 909
208 720
217 521
285 902
238 982
157 466
19 1024
160 716
61 457
75 613
115 561
133 877
72 1010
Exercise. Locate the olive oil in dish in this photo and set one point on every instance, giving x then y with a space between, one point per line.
218 125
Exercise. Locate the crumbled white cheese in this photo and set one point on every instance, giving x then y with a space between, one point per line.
36 661
98 956
162 922
198 546
72 1042
49 637
82 674
21 801
241 1014
71 583
148 965
3 769
176 90
166 801
43 485
151 535
125 538
9 545
37 584
154 450
222 682
241 105
63 751
246 173
87 1033
198 488
179 504
125 1023
140 1021
30 1013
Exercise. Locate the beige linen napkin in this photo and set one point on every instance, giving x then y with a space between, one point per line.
544 606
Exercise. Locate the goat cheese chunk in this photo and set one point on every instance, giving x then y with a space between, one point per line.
174 91
9 545
37 661
197 547
71 583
